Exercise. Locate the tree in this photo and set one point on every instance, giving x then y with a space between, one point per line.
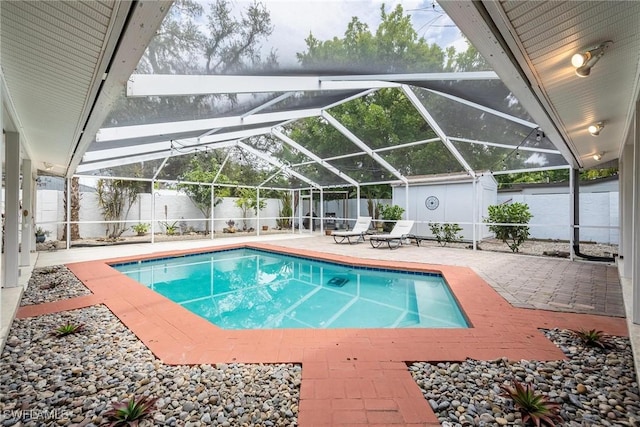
115 198
177 43
203 168
286 210
556 175
248 199
395 47
232 44
74 208
387 117
227 44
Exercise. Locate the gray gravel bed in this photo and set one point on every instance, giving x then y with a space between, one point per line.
595 387
54 283
72 380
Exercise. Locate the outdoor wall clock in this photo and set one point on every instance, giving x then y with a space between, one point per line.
432 203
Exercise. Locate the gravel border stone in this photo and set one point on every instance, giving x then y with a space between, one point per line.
72 380
595 387
48 284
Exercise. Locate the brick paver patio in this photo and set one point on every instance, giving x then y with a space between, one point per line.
359 376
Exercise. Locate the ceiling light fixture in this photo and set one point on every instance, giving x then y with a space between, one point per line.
48 166
585 61
598 156
595 129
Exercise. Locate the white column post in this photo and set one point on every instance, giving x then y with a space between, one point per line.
406 200
67 224
626 209
311 210
258 226
213 207
28 239
572 214
635 258
474 212
321 211
293 212
357 202
12 207
153 211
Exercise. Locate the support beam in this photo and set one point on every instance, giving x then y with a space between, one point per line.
507 146
364 147
28 205
12 209
184 85
284 138
277 163
485 109
437 129
183 126
220 140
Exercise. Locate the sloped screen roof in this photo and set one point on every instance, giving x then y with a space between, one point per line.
313 94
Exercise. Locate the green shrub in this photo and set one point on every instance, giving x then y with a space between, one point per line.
445 233
140 228
514 213
391 214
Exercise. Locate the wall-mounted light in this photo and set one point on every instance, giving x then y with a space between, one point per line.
596 128
47 166
598 156
585 61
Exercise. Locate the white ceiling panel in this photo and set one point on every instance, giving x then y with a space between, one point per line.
53 58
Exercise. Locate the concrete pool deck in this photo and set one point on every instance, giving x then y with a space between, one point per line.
359 376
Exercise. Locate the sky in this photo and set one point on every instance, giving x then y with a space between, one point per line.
294 20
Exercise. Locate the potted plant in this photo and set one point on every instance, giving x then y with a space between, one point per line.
391 214
41 235
141 229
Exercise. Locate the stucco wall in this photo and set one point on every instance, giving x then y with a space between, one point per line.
551 215
179 208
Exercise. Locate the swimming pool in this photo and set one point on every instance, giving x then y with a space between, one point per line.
255 289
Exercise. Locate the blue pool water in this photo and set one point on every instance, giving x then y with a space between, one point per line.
254 289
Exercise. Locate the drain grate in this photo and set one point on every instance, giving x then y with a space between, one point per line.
337 282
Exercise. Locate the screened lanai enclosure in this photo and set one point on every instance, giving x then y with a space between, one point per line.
293 116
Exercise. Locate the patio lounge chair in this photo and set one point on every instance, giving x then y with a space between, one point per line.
359 230
394 239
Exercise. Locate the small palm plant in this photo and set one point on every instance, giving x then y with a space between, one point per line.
593 338
131 411
67 329
533 407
